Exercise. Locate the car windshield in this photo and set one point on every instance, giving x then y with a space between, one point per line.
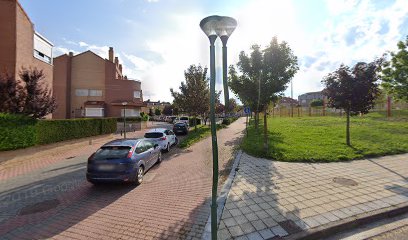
184 118
153 135
111 152
179 124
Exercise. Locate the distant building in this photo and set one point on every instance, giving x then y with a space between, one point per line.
20 46
86 85
307 98
287 102
153 105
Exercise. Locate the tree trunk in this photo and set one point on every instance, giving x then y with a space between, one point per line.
195 123
256 120
348 128
265 132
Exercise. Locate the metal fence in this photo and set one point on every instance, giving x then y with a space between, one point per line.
399 109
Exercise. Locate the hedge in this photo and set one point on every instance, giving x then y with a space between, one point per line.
49 131
20 131
16 131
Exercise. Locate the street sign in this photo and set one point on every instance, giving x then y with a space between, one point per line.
247 110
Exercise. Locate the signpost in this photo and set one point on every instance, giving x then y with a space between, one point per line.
247 111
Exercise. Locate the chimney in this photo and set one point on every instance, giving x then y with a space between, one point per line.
71 54
117 61
111 54
120 68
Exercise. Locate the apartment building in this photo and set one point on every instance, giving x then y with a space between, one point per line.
307 98
20 45
87 85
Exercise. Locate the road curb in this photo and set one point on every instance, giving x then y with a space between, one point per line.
222 198
350 222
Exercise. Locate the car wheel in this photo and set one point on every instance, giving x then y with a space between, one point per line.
159 157
168 147
176 142
140 175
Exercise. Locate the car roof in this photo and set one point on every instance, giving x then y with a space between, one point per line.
123 142
162 130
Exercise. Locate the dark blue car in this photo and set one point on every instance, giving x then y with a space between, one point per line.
122 160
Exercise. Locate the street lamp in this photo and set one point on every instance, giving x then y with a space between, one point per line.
223 27
124 118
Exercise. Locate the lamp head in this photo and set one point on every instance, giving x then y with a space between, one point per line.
218 25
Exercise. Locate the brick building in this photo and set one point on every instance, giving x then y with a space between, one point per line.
86 85
20 46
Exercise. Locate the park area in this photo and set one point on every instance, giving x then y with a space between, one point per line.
323 139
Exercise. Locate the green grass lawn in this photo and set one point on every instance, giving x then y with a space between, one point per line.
194 136
323 139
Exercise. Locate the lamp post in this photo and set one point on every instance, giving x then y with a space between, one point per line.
124 118
214 26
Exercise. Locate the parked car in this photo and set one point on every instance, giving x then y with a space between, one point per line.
183 120
180 127
163 137
122 160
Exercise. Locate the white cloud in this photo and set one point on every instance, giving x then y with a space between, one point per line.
351 33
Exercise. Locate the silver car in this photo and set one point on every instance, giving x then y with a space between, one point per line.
165 138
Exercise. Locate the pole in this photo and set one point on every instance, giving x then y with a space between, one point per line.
214 140
224 40
124 121
246 125
388 106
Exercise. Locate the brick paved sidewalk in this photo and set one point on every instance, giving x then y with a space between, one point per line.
55 201
271 199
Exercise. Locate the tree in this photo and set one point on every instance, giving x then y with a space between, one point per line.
194 95
232 105
316 103
395 72
264 76
353 90
157 112
12 95
167 110
30 96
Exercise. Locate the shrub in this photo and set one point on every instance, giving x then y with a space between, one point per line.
229 120
145 118
16 131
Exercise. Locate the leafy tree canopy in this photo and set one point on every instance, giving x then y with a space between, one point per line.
395 72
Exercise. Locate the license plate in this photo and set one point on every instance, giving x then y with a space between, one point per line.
106 167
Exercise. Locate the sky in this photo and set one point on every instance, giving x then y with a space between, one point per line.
157 40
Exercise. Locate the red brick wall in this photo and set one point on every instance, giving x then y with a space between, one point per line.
61 86
7 36
117 90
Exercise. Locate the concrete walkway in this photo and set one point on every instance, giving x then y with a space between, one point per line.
271 199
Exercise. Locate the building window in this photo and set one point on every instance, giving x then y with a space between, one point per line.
95 93
131 112
81 92
94 112
136 94
42 57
